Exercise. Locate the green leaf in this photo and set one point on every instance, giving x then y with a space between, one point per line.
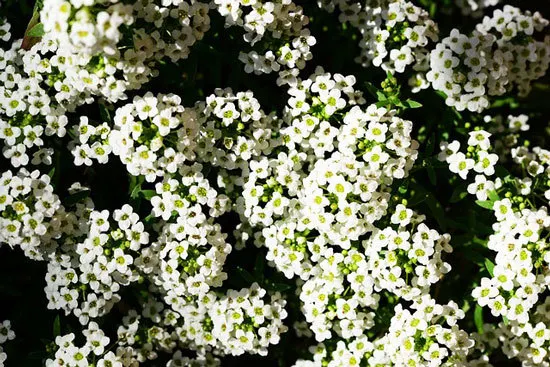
148 194
135 186
148 219
431 174
245 274
372 89
489 265
104 113
505 319
472 255
487 204
36 31
38 354
478 318
459 193
382 103
412 104
502 102
430 146
437 211
433 10
76 197
279 287
259 267
404 187
38 5
501 171
493 196
394 100
56 326
381 96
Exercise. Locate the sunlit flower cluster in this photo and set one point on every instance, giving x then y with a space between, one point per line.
325 185
395 34
500 55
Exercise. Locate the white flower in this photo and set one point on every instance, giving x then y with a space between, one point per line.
485 163
458 163
502 209
402 215
479 138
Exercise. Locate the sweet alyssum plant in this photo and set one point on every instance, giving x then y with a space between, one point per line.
294 183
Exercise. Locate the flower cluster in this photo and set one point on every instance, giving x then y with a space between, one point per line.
461 66
6 334
517 49
507 131
153 135
427 334
279 26
478 157
499 55
101 49
536 162
329 188
90 143
86 276
518 281
95 348
100 28
345 288
30 213
519 276
188 256
244 321
325 187
394 34
233 129
237 322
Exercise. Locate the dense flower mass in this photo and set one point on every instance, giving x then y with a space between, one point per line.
309 184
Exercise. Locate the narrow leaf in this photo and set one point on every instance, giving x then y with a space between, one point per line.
459 193
489 265
245 274
493 196
279 287
259 267
431 175
36 31
104 113
372 89
56 326
148 194
76 197
412 104
478 318
487 204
